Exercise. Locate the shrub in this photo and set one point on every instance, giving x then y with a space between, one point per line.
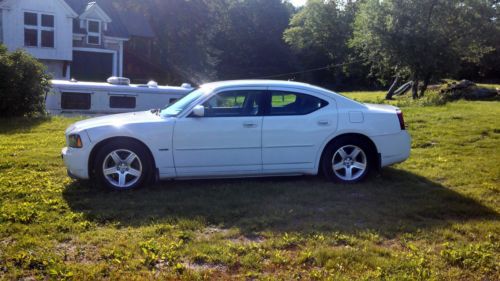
23 84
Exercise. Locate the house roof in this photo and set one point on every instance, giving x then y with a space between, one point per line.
115 28
69 10
93 7
120 26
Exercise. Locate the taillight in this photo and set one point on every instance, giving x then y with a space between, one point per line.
401 120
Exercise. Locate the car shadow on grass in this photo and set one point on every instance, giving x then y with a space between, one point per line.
394 202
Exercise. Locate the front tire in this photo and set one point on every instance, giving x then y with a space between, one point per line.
347 160
123 165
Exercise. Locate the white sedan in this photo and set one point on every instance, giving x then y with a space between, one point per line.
239 129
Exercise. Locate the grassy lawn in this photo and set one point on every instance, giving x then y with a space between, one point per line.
435 216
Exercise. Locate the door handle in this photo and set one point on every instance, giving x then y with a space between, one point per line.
249 125
323 122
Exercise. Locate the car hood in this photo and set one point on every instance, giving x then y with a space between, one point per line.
115 120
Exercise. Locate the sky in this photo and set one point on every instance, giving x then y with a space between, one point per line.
297 3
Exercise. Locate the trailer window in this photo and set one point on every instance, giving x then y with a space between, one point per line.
121 102
75 101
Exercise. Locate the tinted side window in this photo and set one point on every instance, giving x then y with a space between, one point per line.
289 103
172 101
121 102
75 101
234 103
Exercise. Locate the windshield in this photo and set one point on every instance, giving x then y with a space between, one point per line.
185 102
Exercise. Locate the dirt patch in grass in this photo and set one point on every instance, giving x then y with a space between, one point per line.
247 239
211 232
83 254
205 267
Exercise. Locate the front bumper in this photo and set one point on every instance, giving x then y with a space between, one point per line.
76 162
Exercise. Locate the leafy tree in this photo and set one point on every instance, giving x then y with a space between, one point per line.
489 67
23 84
249 42
185 31
423 39
319 33
203 40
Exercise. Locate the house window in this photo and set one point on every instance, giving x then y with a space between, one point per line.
94 32
31 19
30 37
38 30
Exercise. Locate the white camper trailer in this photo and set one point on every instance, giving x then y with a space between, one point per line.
116 96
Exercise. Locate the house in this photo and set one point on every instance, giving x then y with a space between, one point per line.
79 39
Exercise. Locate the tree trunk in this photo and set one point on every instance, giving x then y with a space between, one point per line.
392 89
414 88
427 79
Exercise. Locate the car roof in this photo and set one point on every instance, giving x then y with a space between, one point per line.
260 83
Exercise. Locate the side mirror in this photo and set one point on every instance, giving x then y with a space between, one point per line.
199 111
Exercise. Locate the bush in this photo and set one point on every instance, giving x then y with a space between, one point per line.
23 84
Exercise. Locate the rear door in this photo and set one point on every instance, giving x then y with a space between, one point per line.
294 129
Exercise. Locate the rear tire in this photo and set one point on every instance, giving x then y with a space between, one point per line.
123 165
347 160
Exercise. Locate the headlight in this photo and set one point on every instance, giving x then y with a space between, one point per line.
75 141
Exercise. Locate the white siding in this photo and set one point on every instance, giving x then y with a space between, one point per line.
55 68
1 26
14 28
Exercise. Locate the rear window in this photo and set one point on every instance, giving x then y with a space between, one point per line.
80 101
121 102
290 103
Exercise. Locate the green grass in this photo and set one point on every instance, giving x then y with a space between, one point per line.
436 216
491 86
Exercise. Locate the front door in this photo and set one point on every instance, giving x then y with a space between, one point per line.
226 141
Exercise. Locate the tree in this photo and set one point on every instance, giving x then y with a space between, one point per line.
204 40
249 42
319 33
23 84
422 39
185 30
488 69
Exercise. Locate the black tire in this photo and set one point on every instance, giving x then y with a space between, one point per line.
142 163
349 144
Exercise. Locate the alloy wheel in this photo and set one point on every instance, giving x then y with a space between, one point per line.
349 162
122 168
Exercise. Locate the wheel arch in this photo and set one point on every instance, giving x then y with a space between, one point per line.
102 143
375 155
